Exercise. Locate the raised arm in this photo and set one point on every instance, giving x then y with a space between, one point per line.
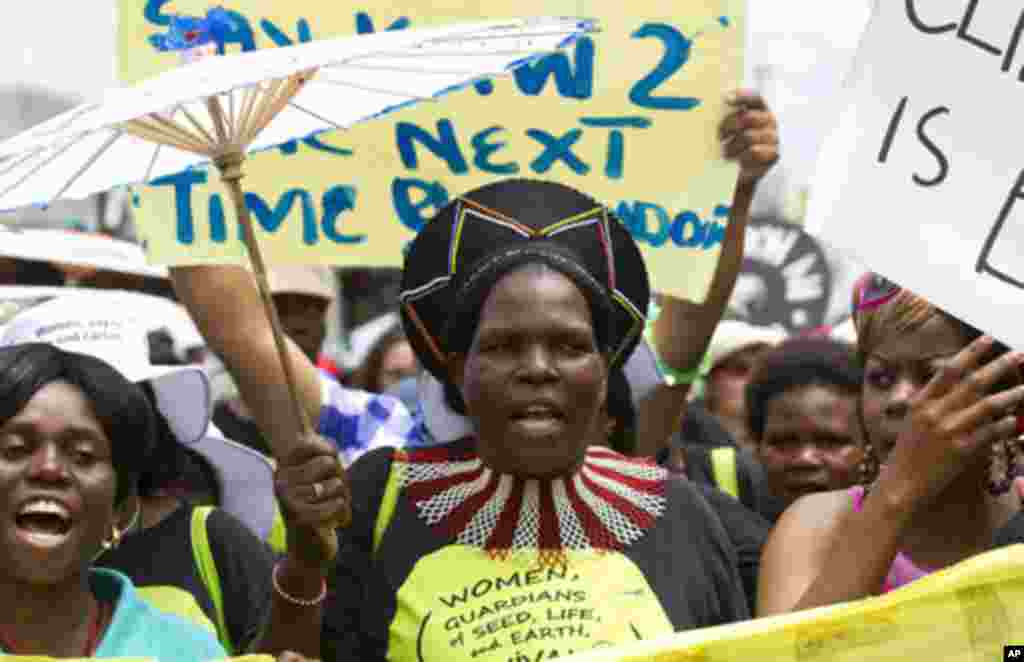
226 307
683 331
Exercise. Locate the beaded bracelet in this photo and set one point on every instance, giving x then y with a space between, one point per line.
292 599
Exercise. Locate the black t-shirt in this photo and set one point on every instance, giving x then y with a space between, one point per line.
699 427
458 604
163 556
750 478
748 532
1012 532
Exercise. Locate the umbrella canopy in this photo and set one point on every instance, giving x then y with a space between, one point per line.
237 103
217 109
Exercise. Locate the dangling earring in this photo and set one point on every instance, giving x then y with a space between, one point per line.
868 466
114 541
117 534
1002 466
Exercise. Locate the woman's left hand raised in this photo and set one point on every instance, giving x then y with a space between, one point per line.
750 135
313 491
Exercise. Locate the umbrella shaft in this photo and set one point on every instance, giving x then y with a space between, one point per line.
231 174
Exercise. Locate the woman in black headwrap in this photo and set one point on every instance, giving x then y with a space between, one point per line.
520 297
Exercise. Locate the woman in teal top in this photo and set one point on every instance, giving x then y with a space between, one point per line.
73 436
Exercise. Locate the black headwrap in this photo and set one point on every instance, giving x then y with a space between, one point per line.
460 255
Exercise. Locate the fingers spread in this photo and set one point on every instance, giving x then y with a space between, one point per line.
950 375
1000 407
979 383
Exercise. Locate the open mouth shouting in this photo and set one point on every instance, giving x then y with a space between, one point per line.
538 418
43 522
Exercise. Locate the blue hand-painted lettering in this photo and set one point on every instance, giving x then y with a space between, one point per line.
432 196
183 183
615 157
557 149
292 146
445 146
336 201
533 77
364 24
484 149
281 39
242 34
677 54
553 149
685 230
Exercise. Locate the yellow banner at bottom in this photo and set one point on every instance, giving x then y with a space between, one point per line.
40 658
966 613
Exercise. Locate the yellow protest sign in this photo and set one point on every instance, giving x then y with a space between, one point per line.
969 611
628 115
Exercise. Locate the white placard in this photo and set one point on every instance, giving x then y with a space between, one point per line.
923 177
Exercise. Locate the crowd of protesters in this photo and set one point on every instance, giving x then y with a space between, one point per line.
499 428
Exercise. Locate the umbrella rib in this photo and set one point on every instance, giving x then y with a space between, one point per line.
220 125
152 163
171 127
164 134
15 162
454 39
245 111
39 167
424 53
254 122
315 115
367 88
115 136
195 122
410 70
231 113
282 95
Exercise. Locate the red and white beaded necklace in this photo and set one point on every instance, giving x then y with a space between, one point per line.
608 504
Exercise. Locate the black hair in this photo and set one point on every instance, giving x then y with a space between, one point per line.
31 272
172 463
796 364
120 406
161 348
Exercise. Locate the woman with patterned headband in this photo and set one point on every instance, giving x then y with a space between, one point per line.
520 297
938 408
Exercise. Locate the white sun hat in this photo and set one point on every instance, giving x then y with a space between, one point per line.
104 325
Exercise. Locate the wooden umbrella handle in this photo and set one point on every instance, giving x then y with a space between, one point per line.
230 167
231 173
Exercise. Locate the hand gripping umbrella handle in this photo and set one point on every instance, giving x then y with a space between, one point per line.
230 167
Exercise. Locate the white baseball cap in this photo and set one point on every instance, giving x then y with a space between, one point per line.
104 325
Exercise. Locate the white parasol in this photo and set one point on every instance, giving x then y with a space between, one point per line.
218 109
